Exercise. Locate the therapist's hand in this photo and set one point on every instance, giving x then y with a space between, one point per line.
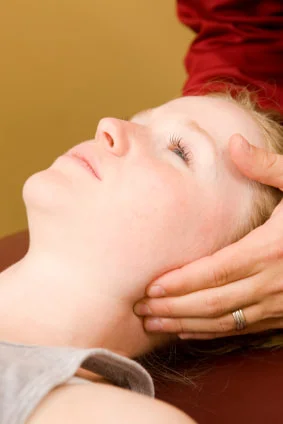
199 298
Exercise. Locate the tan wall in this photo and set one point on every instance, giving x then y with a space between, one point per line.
67 63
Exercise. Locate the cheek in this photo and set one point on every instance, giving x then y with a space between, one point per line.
161 216
142 219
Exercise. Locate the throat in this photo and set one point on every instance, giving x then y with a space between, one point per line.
58 312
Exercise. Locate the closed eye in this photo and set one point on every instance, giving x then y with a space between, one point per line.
178 146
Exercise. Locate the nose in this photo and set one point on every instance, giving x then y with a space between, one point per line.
114 135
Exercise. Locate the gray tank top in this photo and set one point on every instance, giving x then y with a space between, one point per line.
30 372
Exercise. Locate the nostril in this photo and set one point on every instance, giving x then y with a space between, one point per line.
109 139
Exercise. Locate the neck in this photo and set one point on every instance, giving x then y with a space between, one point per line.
46 302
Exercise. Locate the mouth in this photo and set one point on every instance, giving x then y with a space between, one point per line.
83 161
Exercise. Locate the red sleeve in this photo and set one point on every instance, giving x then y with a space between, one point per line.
239 41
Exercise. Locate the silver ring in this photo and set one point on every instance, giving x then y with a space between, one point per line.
240 319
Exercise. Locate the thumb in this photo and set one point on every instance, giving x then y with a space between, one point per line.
256 163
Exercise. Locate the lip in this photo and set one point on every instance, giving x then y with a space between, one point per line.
85 162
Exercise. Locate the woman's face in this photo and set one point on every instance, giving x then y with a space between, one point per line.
158 203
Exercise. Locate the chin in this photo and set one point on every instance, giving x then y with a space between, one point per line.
46 189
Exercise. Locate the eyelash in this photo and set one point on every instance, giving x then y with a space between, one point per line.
177 144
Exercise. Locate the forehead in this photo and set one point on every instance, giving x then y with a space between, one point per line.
221 118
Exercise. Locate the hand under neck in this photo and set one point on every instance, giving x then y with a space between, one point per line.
46 302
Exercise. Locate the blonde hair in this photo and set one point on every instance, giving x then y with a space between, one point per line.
164 363
265 198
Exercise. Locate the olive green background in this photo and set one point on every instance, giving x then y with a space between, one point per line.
64 65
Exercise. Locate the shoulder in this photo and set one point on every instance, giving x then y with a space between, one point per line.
90 403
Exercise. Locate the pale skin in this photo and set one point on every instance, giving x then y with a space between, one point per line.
95 244
196 301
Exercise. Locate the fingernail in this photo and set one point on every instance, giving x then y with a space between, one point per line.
156 291
153 324
142 309
246 145
184 336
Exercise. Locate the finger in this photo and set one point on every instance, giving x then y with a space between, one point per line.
264 325
207 303
224 324
256 163
234 262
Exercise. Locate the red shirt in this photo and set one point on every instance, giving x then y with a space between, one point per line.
240 41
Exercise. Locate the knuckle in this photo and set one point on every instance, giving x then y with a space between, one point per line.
224 325
272 309
269 160
181 281
277 250
273 243
169 307
263 311
214 305
218 276
276 286
259 290
181 325
183 287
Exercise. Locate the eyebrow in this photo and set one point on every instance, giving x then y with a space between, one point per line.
190 123
196 127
